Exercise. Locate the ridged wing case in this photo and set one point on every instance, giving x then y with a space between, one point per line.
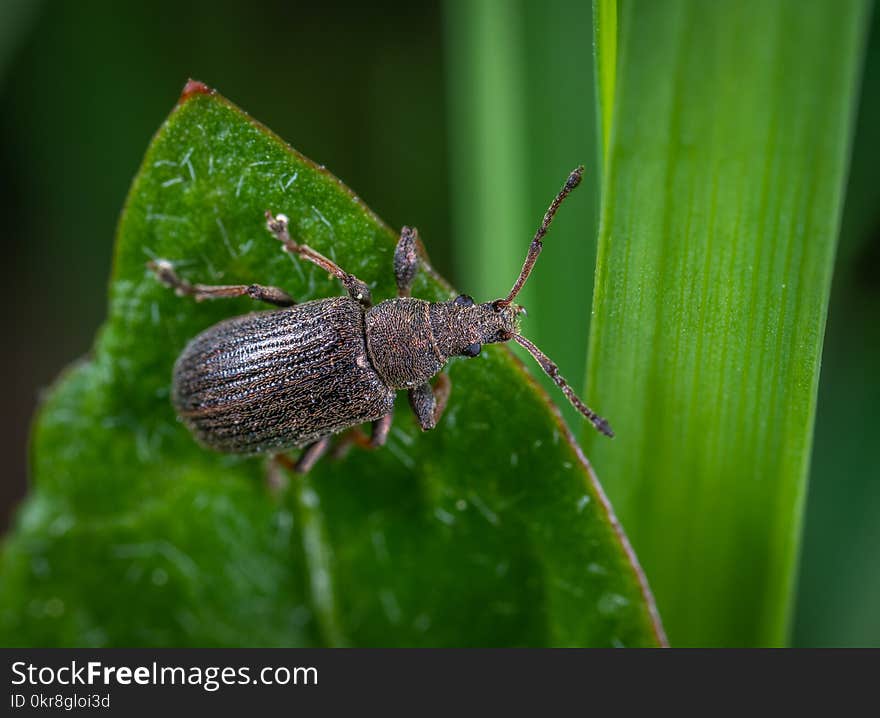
276 380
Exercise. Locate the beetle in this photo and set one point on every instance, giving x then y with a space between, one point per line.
271 381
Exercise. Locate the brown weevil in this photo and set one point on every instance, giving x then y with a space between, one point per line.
267 382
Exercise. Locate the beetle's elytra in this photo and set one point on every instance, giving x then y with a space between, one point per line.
271 381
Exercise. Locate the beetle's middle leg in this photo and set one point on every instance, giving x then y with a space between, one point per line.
307 459
165 273
310 455
428 403
357 289
279 463
381 427
378 436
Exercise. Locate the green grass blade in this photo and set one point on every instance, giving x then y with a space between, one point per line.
489 165
720 211
521 92
605 39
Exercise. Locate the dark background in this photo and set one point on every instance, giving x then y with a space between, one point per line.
362 88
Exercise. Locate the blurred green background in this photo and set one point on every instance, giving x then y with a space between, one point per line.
461 118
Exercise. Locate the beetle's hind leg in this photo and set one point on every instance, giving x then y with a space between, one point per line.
278 463
164 271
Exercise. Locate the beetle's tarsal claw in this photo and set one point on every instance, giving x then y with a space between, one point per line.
277 224
164 271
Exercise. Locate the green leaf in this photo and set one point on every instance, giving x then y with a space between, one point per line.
720 211
489 530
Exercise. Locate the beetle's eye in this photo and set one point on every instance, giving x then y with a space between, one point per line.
471 350
463 300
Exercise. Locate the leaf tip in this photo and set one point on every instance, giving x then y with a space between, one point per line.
192 88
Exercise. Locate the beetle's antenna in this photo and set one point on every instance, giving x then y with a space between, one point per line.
574 179
553 372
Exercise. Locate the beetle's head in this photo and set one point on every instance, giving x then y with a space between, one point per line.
473 325
466 326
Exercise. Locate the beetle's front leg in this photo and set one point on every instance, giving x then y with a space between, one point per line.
164 271
406 260
429 403
356 288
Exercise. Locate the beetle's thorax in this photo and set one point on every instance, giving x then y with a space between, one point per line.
401 344
409 340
